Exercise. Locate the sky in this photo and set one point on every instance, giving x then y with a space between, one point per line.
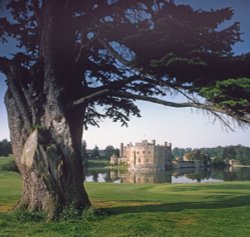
181 127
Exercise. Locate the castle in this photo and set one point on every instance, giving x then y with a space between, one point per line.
144 156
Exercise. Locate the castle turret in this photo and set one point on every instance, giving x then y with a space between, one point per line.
121 150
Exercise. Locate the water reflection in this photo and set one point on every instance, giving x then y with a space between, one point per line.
142 177
174 176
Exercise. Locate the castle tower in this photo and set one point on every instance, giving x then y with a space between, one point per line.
121 150
145 156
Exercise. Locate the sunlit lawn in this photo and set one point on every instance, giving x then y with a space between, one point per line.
216 209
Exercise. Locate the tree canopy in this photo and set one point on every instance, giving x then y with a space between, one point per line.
5 147
240 153
124 51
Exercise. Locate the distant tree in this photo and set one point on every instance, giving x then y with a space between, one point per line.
5 147
189 149
197 155
76 55
95 153
219 161
85 154
238 152
229 153
109 151
211 152
243 154
178 152
219 152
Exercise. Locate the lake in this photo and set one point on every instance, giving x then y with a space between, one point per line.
174 176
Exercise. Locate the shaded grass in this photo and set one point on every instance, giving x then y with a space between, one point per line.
218 209
7 163
10 189
5 159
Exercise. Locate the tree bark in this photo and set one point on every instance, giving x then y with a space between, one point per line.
48 157
45 135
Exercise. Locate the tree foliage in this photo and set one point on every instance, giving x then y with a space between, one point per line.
94 153
196 154
109 151
219 154
5 147
135 50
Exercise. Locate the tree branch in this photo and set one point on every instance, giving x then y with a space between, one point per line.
81 48
213 110
66 5
37 11
99 91
116 55
147 77
158 101
106 91
88 98
4 65
12 73
216 112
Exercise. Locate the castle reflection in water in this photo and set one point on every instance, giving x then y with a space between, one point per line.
141 177
174 176
160 176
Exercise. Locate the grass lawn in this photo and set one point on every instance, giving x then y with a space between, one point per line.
102 164
98 164
4 160
215 209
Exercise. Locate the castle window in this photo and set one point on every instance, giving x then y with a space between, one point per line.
149 152
143 152
138 152
146 160
139 160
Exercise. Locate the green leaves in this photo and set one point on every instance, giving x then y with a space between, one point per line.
229 93
139 47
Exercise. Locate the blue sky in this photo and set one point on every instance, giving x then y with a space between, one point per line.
182 127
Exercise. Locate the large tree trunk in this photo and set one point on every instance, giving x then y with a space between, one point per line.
45 134
49 159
